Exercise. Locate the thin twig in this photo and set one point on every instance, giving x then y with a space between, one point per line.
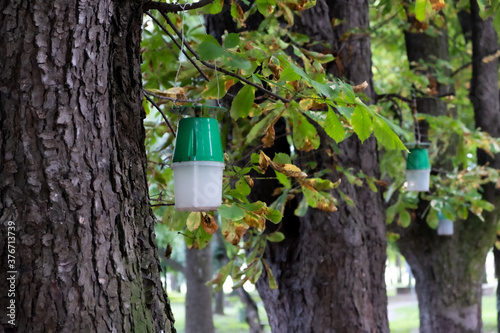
174 8
464 66
177 43
171 98
164 117
391 96
222 70
163 204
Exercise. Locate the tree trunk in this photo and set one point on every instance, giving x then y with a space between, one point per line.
449 271
221 259
330 267
251 311
73 170
198 271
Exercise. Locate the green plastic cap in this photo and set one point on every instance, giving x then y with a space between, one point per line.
418 159
198 139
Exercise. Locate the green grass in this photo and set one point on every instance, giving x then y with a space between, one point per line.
230 322
407 318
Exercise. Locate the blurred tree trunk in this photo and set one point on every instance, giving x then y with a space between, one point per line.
251 311
449 270
330 267
73 170
198 271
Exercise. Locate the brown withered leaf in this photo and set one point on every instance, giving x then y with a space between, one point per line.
249 180
255 221
228 84
168 251
360 87
289 170
278 190
240 14
327 206
268 139
437 5
208 224
174 92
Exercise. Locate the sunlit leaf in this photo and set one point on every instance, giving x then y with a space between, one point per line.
333 126
361 123
193 221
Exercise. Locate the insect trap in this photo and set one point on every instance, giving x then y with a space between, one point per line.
418 170
198 160
445 226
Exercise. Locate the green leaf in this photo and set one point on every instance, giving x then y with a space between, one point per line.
273 215
432 219
221 277
193 221
175 219
284 180
386 136
361 123
305 137
275 237
232 212
215 7
236 61
420 10
404 218
243 187
282 158
210 49
270 277
242 103
232 40
288 75
216 89
301 209
333 126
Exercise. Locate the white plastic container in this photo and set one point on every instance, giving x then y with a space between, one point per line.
445 227
418 180
198 185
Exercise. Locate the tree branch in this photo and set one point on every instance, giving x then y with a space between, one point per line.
391 96
171 98
158 108
177 43
175 7
222 70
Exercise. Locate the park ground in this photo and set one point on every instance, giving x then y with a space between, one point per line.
402 311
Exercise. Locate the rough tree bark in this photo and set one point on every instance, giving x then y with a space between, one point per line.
330 268
73 170
449 271
198 271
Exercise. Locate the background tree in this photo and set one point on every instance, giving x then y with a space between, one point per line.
322 249
449 270
73 170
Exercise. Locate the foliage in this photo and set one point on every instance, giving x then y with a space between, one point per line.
270 74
